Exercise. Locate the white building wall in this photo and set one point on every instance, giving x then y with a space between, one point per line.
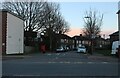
15 37
0 35
119 5
119 21
119 26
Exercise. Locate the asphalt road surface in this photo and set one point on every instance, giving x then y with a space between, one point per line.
61 64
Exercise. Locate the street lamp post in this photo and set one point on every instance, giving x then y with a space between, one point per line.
92 39
92 36
75 46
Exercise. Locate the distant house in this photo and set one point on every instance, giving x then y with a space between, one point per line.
12 35
65 41
114 36
30 41
118 20
58 40
81 40
29 38
100 42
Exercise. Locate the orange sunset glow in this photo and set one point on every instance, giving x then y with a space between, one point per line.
78 31
74 31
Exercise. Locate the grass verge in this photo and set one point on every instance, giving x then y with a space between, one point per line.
104 52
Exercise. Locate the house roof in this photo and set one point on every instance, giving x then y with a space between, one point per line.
99 38
4 10
63 36
115 33
80 38
118 12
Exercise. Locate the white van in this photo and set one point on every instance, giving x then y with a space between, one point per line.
115 45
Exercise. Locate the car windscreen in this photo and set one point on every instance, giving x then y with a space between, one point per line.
81 47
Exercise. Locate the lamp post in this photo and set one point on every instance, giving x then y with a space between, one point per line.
92 36
75 43
92 39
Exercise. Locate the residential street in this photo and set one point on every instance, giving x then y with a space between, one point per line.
60 64
45 38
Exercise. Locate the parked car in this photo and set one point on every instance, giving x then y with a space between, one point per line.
67 49
60 49
81 49
115 47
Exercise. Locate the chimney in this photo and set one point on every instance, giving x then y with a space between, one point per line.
80 34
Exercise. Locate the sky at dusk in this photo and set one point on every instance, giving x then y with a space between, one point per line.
74 12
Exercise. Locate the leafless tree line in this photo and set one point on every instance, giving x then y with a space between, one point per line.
39 16
93 22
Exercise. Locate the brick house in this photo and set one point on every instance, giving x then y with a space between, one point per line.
81 40
58 40
114 36
65 41
98 42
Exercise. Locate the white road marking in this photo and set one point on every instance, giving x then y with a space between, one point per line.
63 54
79 62
67 62
105 62
24 75
49 54
64 62
90 62
61 62
58 54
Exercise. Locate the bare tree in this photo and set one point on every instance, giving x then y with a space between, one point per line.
54 20
93 23
55 24
32 12
38 15
62 26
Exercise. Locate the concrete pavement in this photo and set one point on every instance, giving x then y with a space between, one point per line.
103 58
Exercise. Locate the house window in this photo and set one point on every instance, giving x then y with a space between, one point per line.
80 42
62 40
77 41
83 42
73 41
66 41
